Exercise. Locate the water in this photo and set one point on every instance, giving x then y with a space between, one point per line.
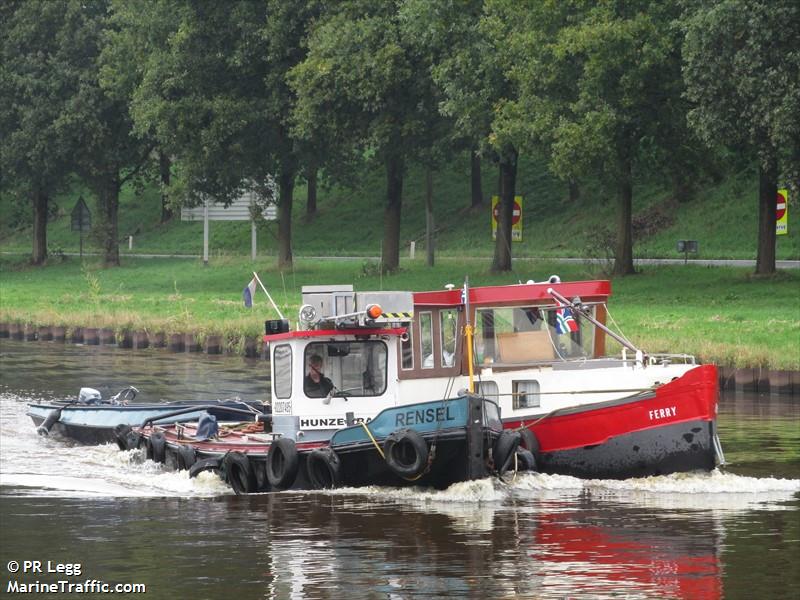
732 533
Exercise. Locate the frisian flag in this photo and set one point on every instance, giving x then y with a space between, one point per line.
565 322
249 293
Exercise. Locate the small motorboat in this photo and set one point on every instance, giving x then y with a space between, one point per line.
91 419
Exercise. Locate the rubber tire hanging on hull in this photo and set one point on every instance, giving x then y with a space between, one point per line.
529 441
406 453
185 457
207 464
127 438
504 449
526 461
157 447
239 473
283 463
323 468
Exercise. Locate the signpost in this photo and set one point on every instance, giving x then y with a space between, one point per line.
782 213
81 219
516 218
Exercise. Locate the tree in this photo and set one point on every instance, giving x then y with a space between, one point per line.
366 86
742 58
213 91
464 40
597 83
35 90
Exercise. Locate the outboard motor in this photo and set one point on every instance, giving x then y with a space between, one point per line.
89 396
207 427
47 425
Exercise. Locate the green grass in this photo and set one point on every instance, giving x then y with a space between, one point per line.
722 217
723 315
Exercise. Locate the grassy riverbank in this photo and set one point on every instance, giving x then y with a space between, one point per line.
724 315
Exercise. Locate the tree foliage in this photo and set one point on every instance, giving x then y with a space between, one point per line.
742 59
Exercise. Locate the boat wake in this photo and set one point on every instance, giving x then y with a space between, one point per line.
32 465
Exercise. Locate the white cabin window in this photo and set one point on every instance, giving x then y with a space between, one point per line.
426 339
448 320
526 394
357 368
282 371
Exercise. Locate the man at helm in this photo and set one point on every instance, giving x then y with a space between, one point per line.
315 384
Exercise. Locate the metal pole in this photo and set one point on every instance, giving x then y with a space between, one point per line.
468 334
205 232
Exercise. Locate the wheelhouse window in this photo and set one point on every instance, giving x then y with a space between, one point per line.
407 350
518 335
352 368
426 339
448 322
282 370
526 394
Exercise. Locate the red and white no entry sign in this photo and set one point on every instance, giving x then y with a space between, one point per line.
780 208
515 216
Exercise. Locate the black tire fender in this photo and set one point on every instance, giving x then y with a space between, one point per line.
185 457
323 468
156 447
239 473
526 461
529 441
504 449
283 463
207 464
122 435
406 452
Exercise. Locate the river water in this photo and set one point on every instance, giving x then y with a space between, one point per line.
733 533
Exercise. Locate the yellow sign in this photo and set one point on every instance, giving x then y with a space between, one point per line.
782 213
516 218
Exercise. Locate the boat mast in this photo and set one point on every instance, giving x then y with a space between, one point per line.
468 333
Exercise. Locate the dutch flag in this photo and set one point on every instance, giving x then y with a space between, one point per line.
249 293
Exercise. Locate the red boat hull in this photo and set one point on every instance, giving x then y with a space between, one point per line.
666 431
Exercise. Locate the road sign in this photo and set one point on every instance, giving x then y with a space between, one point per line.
516 218
782 213
81 217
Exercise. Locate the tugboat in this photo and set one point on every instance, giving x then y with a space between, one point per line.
536 355
338 418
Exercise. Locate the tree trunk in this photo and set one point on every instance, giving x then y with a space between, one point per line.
391 220
107 190
508 185
164 164
311 198
623 257
40 201
574 190
767 192
475 178
285 191
429 224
